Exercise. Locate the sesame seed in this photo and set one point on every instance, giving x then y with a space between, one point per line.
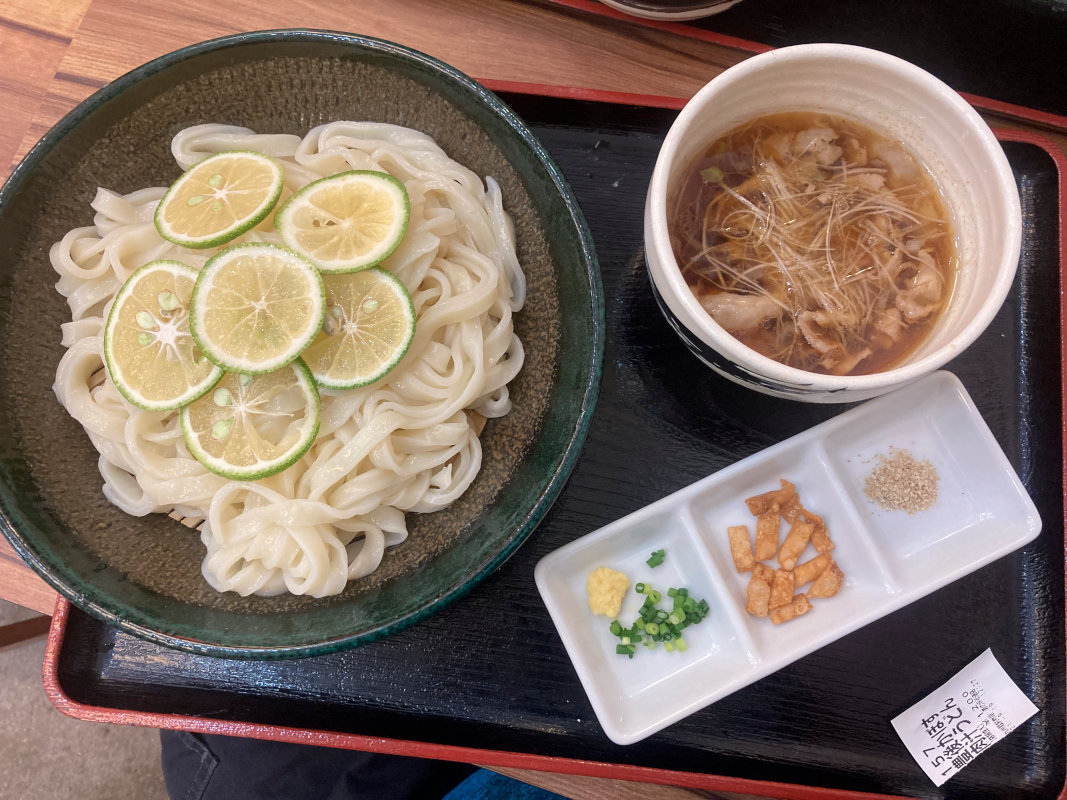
901 483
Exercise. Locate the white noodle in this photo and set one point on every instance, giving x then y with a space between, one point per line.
403 444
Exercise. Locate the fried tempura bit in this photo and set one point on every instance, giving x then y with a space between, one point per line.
827 584
814 519
767 534
810 570
770 592
795 542
799 605
759 590
791 509
741 547
820 537
781 588
760 503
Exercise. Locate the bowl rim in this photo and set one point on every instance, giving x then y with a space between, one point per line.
676 294
54 572
684 11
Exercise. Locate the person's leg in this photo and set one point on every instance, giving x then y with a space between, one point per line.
207 767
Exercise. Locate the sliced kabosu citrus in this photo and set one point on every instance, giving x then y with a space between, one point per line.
346 222
219 199
150 354
369 324
255 307
253 426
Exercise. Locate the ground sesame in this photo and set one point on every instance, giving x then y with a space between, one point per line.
901 483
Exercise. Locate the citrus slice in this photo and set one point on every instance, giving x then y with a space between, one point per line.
369 324
150 354
219 199
346 222
252 426
255 307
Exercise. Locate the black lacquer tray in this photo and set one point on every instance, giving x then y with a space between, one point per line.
994 48
488 680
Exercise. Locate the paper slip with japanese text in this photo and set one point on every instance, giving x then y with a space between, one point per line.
976 708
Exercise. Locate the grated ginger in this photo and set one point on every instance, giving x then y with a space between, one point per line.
605 589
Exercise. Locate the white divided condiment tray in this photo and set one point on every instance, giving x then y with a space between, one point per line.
889 558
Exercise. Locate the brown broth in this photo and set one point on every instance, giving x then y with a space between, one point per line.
815 241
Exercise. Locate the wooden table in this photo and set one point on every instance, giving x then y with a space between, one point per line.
58 52
64 50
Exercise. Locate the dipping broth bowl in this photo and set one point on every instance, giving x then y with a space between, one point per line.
899 100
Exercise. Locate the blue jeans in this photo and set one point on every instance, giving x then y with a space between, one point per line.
210 767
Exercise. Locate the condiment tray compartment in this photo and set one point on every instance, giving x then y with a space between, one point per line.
890 558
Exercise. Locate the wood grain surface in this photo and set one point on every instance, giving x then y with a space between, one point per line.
58 52
19 584
34 37
64 50
505 40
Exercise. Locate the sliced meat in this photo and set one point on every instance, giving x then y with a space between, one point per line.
812 325
740 312
903 169
871 181
888 328
921 294
845 364
819 143
855 153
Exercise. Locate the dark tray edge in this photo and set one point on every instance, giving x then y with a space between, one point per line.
403 747
63 702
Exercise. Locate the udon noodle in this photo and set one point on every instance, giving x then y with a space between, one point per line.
406 443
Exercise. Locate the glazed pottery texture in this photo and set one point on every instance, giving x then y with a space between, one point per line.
143 574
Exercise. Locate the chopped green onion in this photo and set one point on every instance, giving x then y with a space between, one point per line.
712 175
656 558
654 624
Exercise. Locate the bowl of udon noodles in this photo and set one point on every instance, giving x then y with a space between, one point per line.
826 223
416 486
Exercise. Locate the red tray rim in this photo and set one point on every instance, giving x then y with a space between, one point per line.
59 698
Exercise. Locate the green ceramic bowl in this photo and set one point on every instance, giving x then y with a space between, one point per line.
143 573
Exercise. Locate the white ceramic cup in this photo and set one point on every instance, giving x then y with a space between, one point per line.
896 98
668 10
